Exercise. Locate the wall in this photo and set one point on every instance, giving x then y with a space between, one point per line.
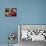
28 12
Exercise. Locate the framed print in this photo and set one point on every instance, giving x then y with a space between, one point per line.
32 32
10 11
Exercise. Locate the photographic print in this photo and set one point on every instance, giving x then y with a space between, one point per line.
10 11
33 32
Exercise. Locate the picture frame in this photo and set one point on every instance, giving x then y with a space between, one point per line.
37 29
10 12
